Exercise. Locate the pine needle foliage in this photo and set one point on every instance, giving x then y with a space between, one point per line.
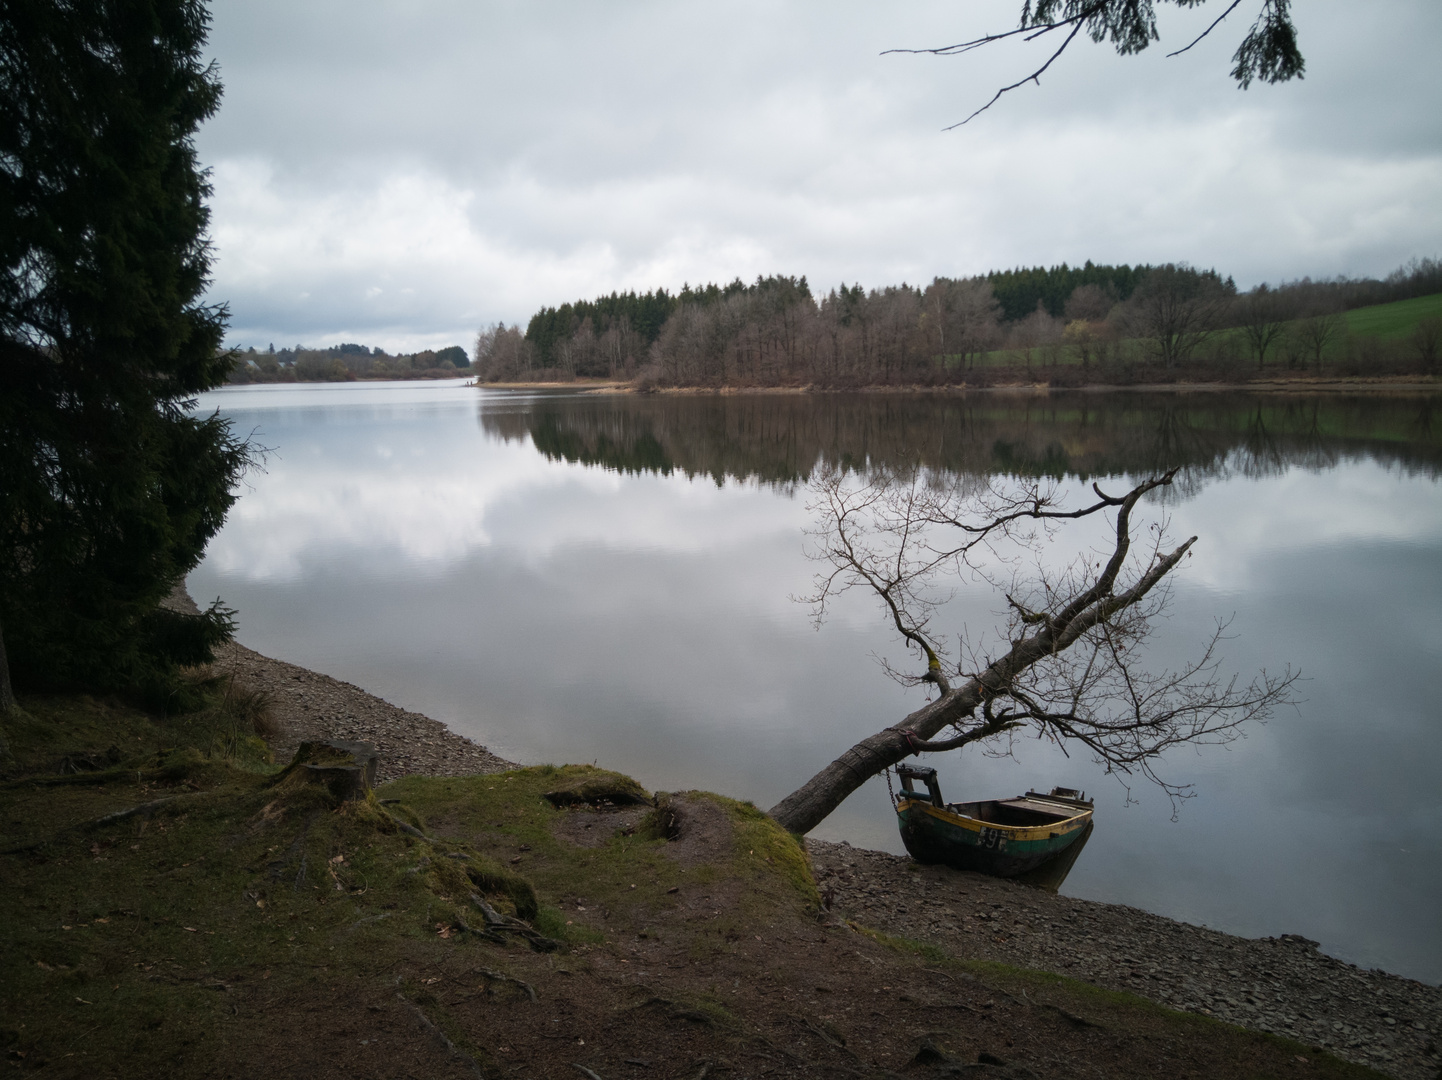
109 487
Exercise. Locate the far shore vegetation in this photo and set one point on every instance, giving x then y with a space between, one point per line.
1061 326
345 363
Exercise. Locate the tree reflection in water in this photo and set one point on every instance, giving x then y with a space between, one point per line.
780 439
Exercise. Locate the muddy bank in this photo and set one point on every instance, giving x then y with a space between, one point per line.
1279 985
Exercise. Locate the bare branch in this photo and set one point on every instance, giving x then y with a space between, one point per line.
1215 23
1268 51
1028 27
1034 77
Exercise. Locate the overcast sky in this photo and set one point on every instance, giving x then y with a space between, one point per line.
402 172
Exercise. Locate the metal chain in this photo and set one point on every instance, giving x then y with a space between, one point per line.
889 790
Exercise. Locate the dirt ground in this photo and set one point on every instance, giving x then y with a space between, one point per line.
249 925
719 983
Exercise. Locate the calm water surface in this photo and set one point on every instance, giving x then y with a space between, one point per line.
567 577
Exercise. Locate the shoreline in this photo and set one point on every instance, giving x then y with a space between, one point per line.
1341 385
306 704
1283 986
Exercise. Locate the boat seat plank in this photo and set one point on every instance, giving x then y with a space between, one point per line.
1039 807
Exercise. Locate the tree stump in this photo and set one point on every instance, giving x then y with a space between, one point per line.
346 769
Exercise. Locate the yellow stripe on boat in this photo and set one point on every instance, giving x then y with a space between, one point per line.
1011 832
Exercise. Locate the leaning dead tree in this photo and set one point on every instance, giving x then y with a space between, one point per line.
1069 667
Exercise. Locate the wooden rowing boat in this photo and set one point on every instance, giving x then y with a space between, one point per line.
1034 837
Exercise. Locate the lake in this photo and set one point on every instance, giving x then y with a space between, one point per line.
574 577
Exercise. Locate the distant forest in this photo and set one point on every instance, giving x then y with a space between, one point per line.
1085 323
346 362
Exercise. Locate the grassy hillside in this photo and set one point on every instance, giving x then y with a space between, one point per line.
1389 324
1394 320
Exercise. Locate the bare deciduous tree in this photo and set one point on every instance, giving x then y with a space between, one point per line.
1039 330
1090 303
959 318
1316 332
1426 341
502 353
1070 668
1177 307
1263 315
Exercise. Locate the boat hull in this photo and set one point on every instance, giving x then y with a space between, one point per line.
934 835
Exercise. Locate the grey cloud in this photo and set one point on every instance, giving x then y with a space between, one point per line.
570 149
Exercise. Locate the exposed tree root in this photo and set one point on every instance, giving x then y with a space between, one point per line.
498 924
407 828
94 823
105 776
501 976
440 1036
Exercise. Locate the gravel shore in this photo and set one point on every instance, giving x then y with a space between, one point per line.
1279 985
305 704
308 705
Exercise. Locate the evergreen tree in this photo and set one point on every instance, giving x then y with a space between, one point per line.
109 488
1020 291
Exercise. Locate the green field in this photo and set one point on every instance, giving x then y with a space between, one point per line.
1394 320
1386 321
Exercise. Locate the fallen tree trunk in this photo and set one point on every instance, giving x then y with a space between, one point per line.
809 805
1089 612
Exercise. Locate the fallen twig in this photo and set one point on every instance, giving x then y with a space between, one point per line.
370 919
946 1005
